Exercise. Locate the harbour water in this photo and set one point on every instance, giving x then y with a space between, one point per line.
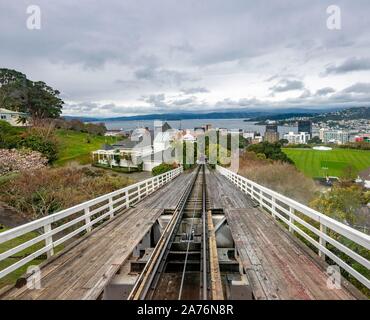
192 123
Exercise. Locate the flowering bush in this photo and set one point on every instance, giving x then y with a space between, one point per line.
20 160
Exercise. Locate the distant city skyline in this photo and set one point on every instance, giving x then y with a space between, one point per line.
130 57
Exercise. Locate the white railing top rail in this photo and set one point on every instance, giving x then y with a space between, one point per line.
110 204
258 193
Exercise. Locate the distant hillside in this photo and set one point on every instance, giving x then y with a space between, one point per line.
317 116
350 113
232 114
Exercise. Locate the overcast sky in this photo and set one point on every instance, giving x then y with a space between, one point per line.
121 57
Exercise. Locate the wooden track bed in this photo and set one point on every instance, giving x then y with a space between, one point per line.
278 266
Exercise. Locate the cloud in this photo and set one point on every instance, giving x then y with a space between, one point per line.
163 76
287 85
349 65
222 51
324 91
155 100
194 90
358 88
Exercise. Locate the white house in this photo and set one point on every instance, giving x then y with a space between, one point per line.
144 148
13 117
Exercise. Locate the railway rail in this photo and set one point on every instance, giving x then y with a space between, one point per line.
179 265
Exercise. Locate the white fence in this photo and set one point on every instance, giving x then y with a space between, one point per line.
59 227
293 213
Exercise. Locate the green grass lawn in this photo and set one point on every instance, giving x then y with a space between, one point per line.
77 146
314 162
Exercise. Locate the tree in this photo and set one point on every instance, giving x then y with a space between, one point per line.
20 94
339 203
315 140
270 150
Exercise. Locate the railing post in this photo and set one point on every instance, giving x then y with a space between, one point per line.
273 207
48 240
127 199
260 198
291 219
111 207
322 241
87 218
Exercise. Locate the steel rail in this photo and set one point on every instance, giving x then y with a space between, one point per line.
188 245
158 257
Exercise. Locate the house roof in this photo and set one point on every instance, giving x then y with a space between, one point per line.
132 141
166 127
2 110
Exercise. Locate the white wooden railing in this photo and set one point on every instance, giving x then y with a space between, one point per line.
292 213
59 227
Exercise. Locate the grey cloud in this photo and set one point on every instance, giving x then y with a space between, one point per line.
287 85
358 88
163 76
194 90
324 91
156 100
349 65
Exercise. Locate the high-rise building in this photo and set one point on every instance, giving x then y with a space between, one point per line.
305 126
271 134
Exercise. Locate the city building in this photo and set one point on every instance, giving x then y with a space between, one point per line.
13 117
305 126
363 137
257 139
249 134
321 133
271 134
297 138
335 136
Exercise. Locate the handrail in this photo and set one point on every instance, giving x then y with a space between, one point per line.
282 207
89 214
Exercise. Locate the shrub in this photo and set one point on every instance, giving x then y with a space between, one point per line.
162 168
20 160
9 136
278 176
41 140
52 190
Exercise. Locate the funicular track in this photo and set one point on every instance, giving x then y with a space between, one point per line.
179 265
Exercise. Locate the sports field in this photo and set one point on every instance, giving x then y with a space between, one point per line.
316 163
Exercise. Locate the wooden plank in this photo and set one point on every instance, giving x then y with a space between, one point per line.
277 264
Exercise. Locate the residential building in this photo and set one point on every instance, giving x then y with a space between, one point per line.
305 126
297 138
144 148
13 117
322 132
337 137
